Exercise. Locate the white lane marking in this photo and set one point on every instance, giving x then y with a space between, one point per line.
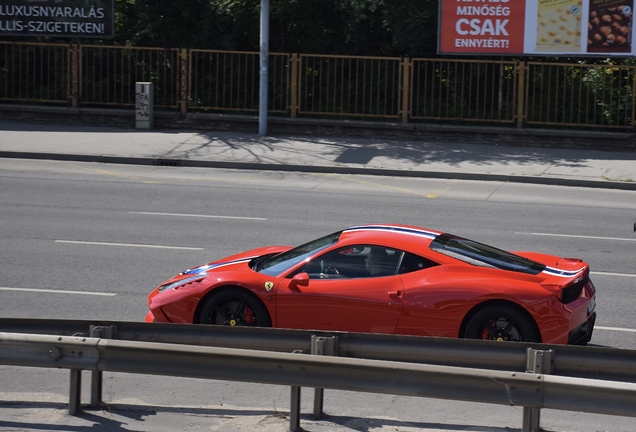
198 215
128 245
57 291
577 236
615 329
613 274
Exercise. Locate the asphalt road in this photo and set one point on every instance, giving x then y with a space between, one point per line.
95 239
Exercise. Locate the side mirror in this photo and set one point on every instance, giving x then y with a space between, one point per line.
301 279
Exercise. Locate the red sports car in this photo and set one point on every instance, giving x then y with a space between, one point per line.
389 279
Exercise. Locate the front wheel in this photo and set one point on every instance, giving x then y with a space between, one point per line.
501 323
235 308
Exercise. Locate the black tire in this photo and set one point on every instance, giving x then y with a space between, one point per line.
234 307
501 323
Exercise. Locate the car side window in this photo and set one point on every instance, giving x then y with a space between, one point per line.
411 262
359 261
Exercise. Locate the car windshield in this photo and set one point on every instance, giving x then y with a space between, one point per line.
483 255
280 263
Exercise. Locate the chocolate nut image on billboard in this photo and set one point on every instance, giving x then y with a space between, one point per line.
58 18
536 27
610 26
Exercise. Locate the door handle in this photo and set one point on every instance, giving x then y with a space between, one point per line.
397 293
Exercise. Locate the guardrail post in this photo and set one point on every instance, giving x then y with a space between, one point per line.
75 394
539 362
321 345
294 412
104 332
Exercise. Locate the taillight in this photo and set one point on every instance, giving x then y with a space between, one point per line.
568 293
557 290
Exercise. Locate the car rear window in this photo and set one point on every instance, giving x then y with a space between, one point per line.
482 255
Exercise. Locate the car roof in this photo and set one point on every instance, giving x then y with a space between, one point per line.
396 235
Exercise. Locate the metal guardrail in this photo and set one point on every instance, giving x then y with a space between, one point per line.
523 378
574 361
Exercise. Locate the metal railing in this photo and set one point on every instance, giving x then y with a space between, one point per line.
596 380
108 75
470 90
580 95
497 92
229 81
350 86
35 72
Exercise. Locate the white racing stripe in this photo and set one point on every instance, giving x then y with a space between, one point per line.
615 329
128 245
577 236
51 291
198 216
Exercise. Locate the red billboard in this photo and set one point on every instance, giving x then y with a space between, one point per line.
536 27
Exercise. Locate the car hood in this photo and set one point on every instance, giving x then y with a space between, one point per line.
236 261
232 260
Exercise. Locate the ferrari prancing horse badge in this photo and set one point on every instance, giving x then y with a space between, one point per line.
269 286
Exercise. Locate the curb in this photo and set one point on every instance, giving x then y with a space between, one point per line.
551 181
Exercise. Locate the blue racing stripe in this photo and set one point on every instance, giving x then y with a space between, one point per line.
207 267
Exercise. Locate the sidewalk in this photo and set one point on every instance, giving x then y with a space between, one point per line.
237 150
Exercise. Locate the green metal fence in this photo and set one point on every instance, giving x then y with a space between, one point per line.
326 86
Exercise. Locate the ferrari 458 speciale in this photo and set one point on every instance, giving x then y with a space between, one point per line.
389 278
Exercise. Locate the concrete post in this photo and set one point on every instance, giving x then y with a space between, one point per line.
144 112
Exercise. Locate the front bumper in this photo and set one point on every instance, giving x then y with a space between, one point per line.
150 317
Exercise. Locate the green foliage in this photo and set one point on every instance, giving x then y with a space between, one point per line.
351 27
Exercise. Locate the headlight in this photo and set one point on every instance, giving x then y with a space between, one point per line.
194 278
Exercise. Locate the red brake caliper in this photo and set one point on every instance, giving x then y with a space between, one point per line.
248 315
485 333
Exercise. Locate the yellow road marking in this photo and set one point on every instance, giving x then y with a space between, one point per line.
432 195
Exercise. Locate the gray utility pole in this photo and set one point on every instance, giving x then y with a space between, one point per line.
262 107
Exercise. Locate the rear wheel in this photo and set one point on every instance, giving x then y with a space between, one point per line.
501 323
235 308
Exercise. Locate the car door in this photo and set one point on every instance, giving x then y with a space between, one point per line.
333 292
